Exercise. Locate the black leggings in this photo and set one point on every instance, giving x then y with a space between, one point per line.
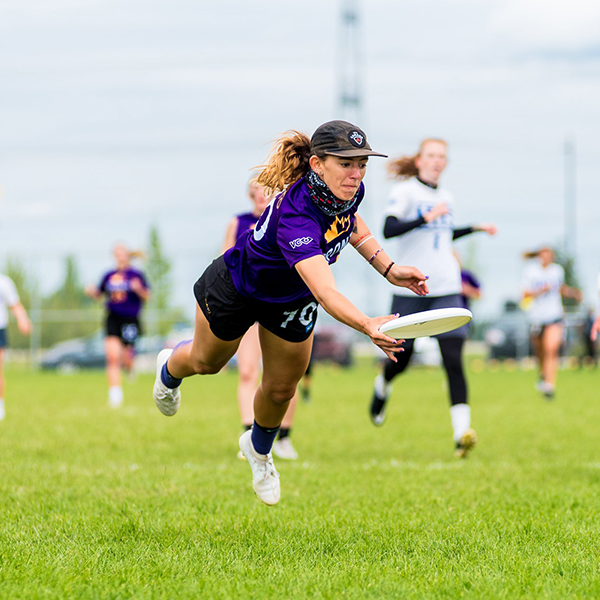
451 349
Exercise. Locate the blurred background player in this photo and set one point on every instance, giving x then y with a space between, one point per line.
126 290
595 329
277 274
420 215
470 285
248 355
9 299
589 355
543 290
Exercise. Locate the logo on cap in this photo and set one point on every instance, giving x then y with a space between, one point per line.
356 138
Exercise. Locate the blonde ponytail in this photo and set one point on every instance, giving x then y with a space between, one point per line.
405 167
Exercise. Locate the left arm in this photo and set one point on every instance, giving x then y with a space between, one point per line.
368 247
470 291
139 288
595 329
23 322
487 227
567 291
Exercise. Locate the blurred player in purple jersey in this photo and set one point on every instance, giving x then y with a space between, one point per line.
277 274
248 354
126 291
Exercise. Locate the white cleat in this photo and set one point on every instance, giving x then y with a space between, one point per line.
2 410
167 399
284 449
265 478
115 403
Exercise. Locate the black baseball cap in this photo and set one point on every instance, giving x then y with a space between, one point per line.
340 138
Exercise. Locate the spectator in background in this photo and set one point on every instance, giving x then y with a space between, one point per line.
9 299
126 291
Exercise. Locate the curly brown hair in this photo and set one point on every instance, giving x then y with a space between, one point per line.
287 162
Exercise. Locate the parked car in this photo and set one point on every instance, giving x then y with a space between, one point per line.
509 336
333 342
88 353
79 353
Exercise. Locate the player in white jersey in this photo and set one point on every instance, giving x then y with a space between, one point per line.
595 331
9 298
420 216
544 287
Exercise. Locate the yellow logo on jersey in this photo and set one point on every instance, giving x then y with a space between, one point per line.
339 226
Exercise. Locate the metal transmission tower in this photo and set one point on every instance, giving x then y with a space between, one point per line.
349 64
570 199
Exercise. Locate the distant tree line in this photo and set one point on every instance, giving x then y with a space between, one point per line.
68 312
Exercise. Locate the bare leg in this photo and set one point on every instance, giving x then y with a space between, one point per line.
206 353
284 363
551 343
128 357
113 348
248 363
1 373
536 342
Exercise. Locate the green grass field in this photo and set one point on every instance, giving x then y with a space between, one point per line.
130 504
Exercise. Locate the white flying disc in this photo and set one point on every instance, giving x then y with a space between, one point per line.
426 323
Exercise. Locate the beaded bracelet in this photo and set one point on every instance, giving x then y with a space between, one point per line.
363 240
362 237
370 261
385 273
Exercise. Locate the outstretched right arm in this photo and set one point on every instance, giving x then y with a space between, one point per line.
318 276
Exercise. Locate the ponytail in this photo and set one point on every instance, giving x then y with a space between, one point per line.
536 253
136 254
287 163
405 167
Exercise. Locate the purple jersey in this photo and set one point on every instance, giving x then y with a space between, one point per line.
245 221
290 229
120 300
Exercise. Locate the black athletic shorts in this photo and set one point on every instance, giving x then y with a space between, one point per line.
127 329
407 305
230 314
3 339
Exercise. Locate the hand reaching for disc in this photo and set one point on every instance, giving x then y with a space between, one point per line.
388 344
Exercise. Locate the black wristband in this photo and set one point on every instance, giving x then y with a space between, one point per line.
385 273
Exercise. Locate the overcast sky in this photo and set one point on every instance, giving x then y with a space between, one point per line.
117 114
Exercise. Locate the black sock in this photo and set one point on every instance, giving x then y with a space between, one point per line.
263 438
285 432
